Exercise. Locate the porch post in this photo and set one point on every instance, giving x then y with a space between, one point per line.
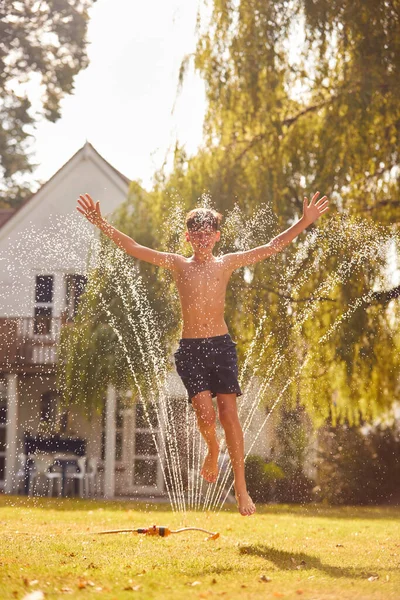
11 432
109 462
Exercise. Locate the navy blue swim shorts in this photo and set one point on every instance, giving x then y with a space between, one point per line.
208 364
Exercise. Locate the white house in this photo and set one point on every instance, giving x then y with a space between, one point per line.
43 258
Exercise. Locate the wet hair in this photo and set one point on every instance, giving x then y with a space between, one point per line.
199 218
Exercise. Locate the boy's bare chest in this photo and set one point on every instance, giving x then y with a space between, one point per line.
202 278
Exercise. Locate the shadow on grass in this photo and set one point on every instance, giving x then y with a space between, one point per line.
289 561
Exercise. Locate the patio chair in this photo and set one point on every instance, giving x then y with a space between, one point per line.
79 475
24 471
41 472
91 479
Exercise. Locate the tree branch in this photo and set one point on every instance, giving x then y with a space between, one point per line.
289 297
377 297
386 202
385 297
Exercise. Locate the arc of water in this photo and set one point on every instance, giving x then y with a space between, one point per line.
219 486
352 308
336 277
172 497
222 479
159 376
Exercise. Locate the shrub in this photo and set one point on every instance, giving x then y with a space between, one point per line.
358 468
261 478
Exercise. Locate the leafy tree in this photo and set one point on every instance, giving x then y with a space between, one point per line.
321 316
42 39
280 123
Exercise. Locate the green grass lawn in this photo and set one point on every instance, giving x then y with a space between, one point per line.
281 552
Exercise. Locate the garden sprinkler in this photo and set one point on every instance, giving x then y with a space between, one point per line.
161 531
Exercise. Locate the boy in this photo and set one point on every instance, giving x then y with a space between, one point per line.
206 359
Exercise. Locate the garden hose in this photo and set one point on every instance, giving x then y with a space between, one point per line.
161 531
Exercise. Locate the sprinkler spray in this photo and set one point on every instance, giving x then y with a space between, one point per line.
161 531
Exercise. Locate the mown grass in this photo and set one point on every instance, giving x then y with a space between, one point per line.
312 553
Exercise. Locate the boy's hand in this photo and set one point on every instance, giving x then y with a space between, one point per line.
312 211
89 209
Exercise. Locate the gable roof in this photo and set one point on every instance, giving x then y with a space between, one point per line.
6 214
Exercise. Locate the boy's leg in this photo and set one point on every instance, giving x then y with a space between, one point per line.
229 419
205 413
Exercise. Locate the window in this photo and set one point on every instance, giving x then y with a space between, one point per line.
142 421
145 472
44 289
146 461
43 311
48 407
42 320
119 429
75 286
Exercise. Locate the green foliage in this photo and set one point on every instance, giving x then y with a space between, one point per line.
261 478
46 39
359 468
267 481
280 124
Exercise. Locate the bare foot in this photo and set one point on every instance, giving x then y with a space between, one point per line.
210 466
245 503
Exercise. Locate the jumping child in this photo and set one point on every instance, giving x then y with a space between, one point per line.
206 358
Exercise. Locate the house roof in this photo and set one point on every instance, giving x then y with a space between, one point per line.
6 214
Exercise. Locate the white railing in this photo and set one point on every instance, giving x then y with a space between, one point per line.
29 340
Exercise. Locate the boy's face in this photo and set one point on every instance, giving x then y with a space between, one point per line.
203 238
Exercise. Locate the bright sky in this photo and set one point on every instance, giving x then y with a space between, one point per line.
123 101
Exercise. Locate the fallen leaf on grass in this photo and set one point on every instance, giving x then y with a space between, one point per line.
132 588
83 583
301 564
37 595
299 592
278 595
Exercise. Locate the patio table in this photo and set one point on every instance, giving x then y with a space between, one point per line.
58 459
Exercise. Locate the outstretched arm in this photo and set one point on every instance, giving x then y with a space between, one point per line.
91 211
311 212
